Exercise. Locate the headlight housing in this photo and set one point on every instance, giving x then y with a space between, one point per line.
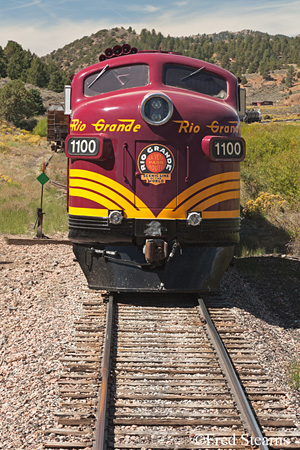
115 217
156 109
193 218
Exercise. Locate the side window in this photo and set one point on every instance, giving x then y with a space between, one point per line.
115 79
195 79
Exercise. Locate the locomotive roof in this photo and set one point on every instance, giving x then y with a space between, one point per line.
156 61
157 58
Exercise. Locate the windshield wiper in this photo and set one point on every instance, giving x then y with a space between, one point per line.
193 73
99 75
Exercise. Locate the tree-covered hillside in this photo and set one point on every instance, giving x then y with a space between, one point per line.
243 52
19 64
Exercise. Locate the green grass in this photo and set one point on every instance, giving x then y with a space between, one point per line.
270 187
294 374
20 191
272 161
55 208
19 211
243 251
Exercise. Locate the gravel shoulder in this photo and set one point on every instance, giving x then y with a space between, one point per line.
42 289
41 292
265 294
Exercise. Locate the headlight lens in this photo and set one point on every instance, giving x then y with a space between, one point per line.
156 109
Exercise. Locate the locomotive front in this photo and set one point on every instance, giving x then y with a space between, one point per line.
153 151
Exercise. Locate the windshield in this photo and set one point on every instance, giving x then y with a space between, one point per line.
115 79
194 79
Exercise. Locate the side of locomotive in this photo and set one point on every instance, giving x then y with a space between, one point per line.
154 153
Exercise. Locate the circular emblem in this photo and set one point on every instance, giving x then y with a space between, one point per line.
156 163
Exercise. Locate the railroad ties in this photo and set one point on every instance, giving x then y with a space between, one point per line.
169 389
165 380
79 383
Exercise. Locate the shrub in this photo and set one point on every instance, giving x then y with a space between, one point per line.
27 124
41 128
272 161
264 203
16 102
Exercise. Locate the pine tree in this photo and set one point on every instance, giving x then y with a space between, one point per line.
290 77
38 102
37 74
2 64
18 60
56 80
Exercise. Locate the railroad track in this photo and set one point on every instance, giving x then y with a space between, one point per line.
166 382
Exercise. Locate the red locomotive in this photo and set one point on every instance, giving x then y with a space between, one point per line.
154 153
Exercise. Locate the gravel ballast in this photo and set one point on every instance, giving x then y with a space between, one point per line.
42 289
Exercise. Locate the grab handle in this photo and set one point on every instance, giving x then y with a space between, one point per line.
187 163
125 149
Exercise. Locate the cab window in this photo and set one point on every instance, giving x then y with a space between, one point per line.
195 79
116 79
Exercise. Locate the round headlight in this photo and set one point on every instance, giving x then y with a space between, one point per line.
115 217
156 109
193 219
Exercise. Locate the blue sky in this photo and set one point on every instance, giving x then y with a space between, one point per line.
45 25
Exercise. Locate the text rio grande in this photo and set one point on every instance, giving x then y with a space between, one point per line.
190 128
126 125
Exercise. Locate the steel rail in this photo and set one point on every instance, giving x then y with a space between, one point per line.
99 437
243 405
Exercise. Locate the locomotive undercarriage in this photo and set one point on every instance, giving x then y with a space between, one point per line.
153 256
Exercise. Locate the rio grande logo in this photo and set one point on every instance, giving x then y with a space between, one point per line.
156 164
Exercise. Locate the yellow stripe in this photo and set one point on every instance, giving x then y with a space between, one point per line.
94 197
109 188
230 186
215 194
207 182
221 214
92 212
112 189
97 198
218 199
121 202
92 176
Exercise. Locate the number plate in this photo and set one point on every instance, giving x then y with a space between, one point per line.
229 149
83 146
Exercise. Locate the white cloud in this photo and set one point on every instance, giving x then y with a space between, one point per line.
143 8
181 3
186 22
43 39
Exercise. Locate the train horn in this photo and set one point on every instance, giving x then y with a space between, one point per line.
126 49
117 50
109 52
